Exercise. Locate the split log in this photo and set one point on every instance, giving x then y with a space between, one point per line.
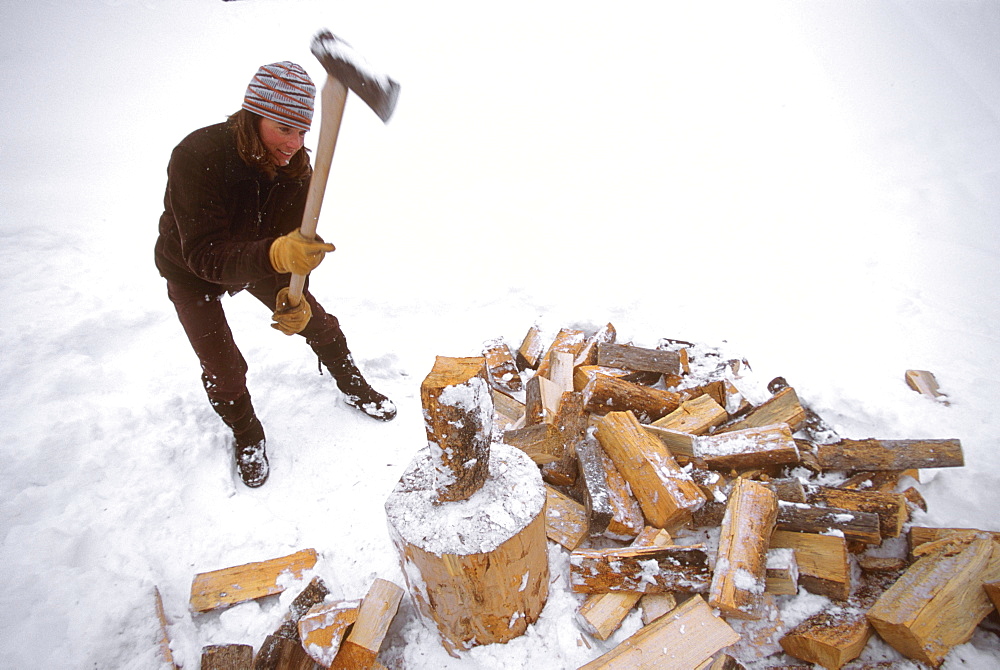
282 653
890 507
458 419
740 569
566 520
583 374
377 610
602 613
229 586
534 404
655 605
872 454
592 485
227 657
782 407
834 637
588 354
788 489
561 370
681 445
854 525
756 447
478 568
323 627
938 602
640 570
567 340
508 411
925 383
161 616
630 357
529 354
884 481
666 494
626 514
314 593
695 416
993 591
668 644
605 394
500 366
571 420
541 441
920 535
782 575
823 562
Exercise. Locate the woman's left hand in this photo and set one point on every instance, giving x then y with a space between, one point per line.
290 319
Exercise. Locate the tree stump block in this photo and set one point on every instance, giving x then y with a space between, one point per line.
477 568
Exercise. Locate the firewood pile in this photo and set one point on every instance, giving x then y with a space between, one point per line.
678 486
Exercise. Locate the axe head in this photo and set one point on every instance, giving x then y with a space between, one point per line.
345 65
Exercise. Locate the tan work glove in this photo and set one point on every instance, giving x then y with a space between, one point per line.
293 253
288 319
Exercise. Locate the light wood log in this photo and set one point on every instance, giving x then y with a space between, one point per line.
782 576
938 602
919 535
592 485
282 653
508 411
852 524
565 519
378 608
640 570
561 370
669 644
655 605
227 657
631 357
500 366
602 613
588 354
666 494
583 374
605 394
755 447
323 627
542 442
228 586
739 579
529 354
782 407
567 340
695 416
680 445
477 569
890 507
626 514
458 419
823 562
993 591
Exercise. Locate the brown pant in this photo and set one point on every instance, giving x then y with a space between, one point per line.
223 367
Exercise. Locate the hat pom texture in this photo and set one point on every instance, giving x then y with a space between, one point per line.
282 92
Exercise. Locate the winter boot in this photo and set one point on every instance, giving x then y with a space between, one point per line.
356 390
249 441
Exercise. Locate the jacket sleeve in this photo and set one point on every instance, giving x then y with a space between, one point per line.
196 196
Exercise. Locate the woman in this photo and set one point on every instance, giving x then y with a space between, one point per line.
234 200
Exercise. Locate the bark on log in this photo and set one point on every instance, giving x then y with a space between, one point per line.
630 357
890 507
605 394
747 448
571 421
852 524
739 579
592 485
228 586
782 407
479 568
640 570
879 455
458 419
666 493
227 657
920 535
529 354
588 354
667 643
282 653
938 602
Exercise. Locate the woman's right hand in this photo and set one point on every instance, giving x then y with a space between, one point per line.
293 253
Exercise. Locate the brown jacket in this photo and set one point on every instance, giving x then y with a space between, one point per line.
220 216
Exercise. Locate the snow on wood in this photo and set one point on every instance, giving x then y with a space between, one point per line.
323 627
640 570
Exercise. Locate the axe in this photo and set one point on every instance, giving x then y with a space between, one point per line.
345 69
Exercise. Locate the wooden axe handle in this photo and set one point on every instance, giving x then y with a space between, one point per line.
334 97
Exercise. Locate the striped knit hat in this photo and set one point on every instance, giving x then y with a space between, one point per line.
282 92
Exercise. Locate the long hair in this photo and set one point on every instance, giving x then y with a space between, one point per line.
245 126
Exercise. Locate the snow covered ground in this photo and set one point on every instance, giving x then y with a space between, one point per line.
813 186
